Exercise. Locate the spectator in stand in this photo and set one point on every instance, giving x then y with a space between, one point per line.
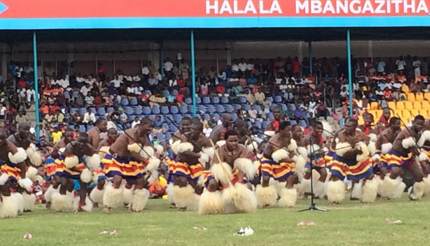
89 117
385 117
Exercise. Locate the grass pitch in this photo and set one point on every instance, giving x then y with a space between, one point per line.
351 223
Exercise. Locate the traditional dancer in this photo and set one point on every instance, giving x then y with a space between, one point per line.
278 164
217 134
231 173
315 152
94 133
24 139
189 166
13 169
389 188
130 158
352 161
405 154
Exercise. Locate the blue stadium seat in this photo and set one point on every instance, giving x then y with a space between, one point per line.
215 100
211 109
174 110
198 100
172 128
303 123
147 110
177 118
293 122
270 99
138 110
206 100
124 101
258 124
224 100
93 110
266 124
110 110
82 111
246 107
101 111
188 100
216 117
164 110
233 117
278 99
74 110
82 128
220 108
156 110
229 108
183 109
206 117
202 109
129 111
237 106
133 101
243 100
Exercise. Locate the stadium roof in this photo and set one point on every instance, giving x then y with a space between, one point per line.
299 34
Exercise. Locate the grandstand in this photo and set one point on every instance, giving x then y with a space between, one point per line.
66 45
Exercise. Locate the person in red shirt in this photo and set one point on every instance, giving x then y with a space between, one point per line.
275 125
385 118
220 89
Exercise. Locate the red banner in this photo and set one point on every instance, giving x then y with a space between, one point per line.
209 8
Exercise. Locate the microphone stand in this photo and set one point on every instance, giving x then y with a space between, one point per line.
312 205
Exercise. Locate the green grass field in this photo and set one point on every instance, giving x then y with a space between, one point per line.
352 223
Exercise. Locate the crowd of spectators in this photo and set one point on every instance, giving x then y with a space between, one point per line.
258 83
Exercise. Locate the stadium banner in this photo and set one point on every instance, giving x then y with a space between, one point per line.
84 14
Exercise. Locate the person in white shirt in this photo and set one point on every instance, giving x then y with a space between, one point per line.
30 95
381 66
400 63
135 122
168 65
85 89
243 66
417 67
116 82
89 117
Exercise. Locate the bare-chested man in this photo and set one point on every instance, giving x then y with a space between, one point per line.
12 171
230 174
352 161
404 154
129 158
315 152
278 164
219 131
94 133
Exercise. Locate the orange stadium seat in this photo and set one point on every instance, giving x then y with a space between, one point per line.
374 105
408 105
400 105
417 105
427 96
419 96
392 105
411 96
405 88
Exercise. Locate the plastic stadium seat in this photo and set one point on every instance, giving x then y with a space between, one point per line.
172 128
133 101
270 116
129 111
258 109
258 124
419 96
229 108
101 111
211 109
206 117
216 117
177 118
400 105
198 100
392 104
74 110
201 108
224 100
188 100
417 105
278 99
110 110
82 111
243 100
174 110
266 124
293 122
138 110
237 106
408 105
374 105
156 110
303 123
270 99
233 117
147 110
215 100
124 101
82 128
183 109
164 110
206 100
246 107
